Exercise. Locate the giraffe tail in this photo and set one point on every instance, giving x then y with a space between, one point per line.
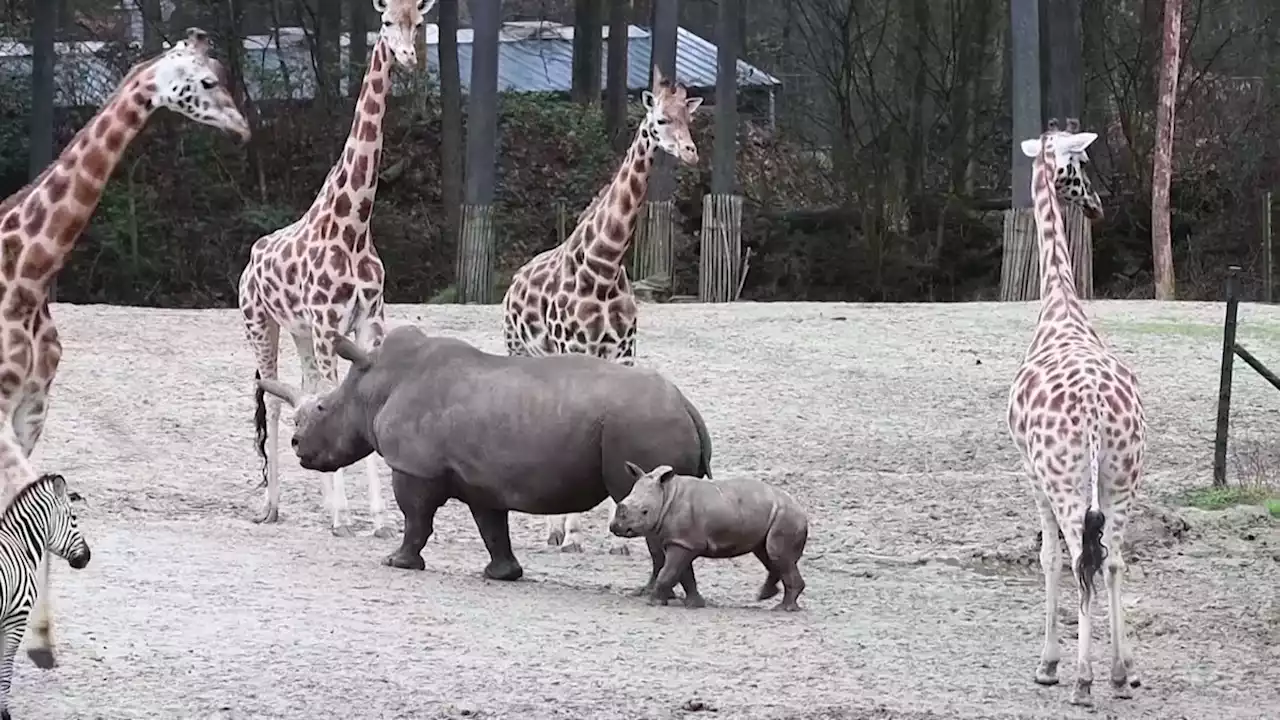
260 424
1092 551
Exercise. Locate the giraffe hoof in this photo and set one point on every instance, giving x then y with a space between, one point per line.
619 549
269 516
1047 674
555 537
572 546
343 531
384 533
42 657
1081 694
1121 691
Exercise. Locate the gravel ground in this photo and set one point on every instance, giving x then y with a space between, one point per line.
924 598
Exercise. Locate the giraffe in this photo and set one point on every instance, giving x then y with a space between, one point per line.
321 277
575 297
39 226
1077 420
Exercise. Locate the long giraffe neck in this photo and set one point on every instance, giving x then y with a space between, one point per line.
351 185
1060 307
40 225
604 232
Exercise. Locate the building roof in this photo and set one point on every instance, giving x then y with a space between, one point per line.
533 56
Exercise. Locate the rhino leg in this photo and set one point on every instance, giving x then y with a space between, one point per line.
770 587
419 500
678 566
496 533
784 545
658 556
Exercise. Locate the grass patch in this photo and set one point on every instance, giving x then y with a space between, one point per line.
1220 498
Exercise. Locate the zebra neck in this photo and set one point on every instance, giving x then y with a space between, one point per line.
23 534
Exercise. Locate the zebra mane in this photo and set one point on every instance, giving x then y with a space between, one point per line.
28 489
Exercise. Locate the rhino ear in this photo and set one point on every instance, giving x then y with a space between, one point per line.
634 470
667 473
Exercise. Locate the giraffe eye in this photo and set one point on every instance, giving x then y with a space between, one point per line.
208 83
662 121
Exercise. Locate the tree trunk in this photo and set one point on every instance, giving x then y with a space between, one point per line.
588 19
666 21
450 121
475 255
1162 166
1024 27
152 26
44 25
358 49
328 45
726 137
1063 59
615 104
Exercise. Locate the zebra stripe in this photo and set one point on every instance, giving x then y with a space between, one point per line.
38 521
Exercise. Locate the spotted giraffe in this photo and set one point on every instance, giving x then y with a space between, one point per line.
575 297
320 277
39 227
1077 420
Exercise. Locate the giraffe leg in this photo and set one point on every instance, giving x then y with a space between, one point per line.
369 335
572 533
27 427
325 376
1081 692
1051 566
1123 674
620 545
264 335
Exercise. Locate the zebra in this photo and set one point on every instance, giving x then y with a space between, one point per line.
37 521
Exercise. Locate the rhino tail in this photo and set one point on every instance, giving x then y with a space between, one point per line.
704 440
260 423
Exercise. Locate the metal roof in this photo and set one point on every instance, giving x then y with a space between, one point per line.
538 57
533 56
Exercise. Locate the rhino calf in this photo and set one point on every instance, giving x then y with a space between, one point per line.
693 517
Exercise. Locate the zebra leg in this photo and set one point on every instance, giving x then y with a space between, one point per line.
40 648
10 638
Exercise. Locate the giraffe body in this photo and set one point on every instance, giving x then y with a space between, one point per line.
320 277
39 226
576 297
1077 420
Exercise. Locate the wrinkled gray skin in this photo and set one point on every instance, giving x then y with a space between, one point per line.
539 435
694 518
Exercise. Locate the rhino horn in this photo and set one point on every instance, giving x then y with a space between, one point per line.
282 390
348 350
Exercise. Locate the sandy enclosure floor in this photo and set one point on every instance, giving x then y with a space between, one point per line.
924 598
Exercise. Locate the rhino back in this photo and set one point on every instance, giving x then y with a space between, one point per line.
719 518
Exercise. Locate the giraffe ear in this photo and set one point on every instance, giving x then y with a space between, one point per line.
1078 142
424 6
648 99
1031 148
694 103
380 5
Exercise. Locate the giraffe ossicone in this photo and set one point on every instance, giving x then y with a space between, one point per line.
320 278
39 227
575 297
1077 420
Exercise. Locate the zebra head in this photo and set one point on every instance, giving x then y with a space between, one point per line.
64 537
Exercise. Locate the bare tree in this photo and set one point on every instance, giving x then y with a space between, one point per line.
588 19
1162 165
450 121
328 24
476 248
666 24
726 137
615 102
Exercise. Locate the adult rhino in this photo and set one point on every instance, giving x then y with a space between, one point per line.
539 435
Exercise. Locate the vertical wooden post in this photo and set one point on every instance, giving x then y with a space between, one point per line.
654 256
718 274
1268 260
1224 381
1020 246
476 248
475 255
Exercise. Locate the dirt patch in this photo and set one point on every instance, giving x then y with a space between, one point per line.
887 425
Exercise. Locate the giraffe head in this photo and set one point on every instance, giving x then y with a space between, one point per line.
1066 150
668 111
401 20
191 82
